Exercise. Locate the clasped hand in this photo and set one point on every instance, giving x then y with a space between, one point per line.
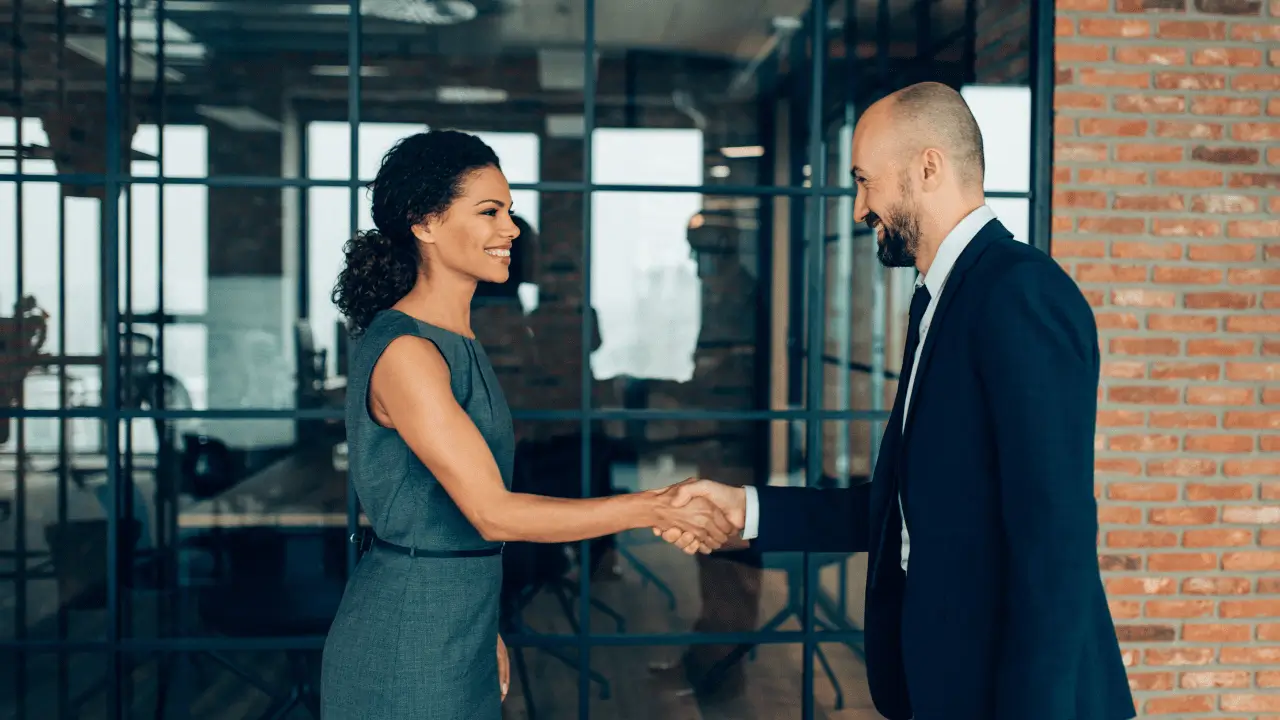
701 515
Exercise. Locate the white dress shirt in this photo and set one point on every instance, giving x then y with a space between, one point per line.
939 270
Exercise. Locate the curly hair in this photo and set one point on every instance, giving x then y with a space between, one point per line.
420 177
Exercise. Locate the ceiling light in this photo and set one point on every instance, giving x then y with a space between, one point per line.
421 12
471 95
343 71
719 171
744 151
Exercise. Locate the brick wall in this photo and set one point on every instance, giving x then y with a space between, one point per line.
1166 211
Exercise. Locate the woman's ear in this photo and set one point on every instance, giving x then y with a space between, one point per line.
422 231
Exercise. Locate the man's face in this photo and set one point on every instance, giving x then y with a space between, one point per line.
886 200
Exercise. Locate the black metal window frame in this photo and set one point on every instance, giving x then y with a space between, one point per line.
112 413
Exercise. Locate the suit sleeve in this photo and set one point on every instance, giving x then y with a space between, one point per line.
1038 364
814 520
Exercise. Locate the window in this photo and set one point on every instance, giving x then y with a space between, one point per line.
1003 113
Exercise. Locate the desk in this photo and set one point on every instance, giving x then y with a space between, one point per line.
303 489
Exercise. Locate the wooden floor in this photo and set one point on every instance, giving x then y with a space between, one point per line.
771 691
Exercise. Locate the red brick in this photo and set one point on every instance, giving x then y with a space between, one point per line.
1225 204
1129 610
1119 563
1226 155
1179 704
1250 420
1193 515
1261 515
1215 585
1225 253
1113 176
1141 586
1251 561
1150 6
1071 52
1166 56
1144 394
1250 655
1107 27
1219 105
1180 275
1219 443
1229 7
1117 321
1150 681
1253 372
1149 153
1209 346
1120 418
1142 297
1216 633
1271 491
1185 371
1112 515
1250 468
1215 679
1189 178
1219 300
1150 104
1117 466
1251 703
1256 83
1079 152
1179 656
1236 609
1253 228
1189 130
1113 78
1182 419
1182 467
1253 323
1148 203
1079 101
1182 323
1141 538
1255 180
1189 81
1227 56
1217 538
1256 132
1143 443
1200 492
1179 608
1181 562
1191 30
1256 33
1254 276
1142 492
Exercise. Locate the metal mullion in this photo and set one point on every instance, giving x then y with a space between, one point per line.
20 436
63 682
111 374
1042 86
354 51
817 305
584 554
634 414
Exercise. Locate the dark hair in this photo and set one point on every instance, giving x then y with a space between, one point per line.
419 178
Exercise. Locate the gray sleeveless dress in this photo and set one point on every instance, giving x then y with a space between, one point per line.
415 637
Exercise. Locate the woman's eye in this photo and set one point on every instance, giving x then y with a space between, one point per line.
491 212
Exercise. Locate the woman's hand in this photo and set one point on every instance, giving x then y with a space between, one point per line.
701 525
504 669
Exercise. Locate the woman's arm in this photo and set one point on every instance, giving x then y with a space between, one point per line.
410 392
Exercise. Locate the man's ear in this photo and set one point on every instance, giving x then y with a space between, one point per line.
932 164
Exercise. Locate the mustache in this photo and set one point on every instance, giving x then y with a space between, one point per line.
871 221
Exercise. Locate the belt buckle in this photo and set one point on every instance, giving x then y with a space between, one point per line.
362 539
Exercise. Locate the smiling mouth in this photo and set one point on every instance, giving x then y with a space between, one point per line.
498 252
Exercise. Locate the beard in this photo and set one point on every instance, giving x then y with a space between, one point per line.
901 240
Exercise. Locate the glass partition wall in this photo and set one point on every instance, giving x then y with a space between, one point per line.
690 297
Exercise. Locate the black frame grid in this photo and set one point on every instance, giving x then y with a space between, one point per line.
810 277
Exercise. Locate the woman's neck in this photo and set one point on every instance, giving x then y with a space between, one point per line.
442 301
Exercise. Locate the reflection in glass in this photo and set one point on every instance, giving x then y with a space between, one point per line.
54 508
684 296
44 684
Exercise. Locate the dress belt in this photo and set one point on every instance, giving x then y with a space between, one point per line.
367 539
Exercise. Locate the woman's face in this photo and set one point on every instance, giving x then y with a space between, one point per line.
473 236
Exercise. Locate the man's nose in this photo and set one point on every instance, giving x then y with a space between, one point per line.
859 208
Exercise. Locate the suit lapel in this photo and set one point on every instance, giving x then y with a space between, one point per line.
950 290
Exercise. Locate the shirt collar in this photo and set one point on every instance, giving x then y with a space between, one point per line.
952 245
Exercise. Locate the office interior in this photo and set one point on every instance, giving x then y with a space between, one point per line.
693 298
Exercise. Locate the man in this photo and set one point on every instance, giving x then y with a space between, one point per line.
983 599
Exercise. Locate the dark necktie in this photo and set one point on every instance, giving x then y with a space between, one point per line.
919 303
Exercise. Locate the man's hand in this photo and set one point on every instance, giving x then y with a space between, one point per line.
504 669
732 501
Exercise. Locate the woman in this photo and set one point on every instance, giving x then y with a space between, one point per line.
431 447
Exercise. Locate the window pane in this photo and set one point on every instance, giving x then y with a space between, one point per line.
1003 113
1015 214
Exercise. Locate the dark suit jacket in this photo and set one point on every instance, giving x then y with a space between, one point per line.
1001 615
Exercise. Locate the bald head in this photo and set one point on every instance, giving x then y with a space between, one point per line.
931 114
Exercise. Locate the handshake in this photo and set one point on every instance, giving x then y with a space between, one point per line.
700 515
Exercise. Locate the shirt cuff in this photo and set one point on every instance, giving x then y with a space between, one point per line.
752 526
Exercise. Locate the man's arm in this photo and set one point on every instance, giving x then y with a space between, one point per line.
780 519
1038 363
